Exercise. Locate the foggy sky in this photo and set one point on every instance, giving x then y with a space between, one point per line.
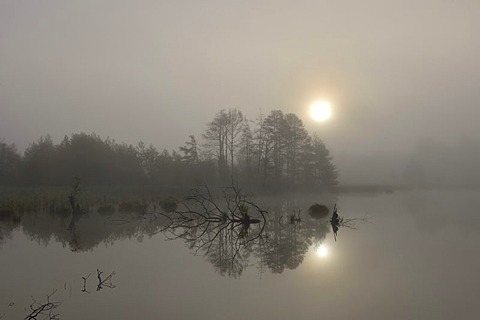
157 71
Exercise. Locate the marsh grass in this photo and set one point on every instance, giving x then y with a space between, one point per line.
106 209
54 200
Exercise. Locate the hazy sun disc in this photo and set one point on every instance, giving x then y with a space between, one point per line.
321 110
322 251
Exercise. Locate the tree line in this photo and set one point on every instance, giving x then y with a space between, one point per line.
273 151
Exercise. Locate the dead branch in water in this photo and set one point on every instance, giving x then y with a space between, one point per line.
45 310
85 283
201 207
219 225
106 282
337 221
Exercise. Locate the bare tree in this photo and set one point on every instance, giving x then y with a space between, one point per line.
247 151
274 129
222 138
234 130
216 140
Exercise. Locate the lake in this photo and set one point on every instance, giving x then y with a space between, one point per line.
401 255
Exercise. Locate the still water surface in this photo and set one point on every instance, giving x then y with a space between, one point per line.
417 256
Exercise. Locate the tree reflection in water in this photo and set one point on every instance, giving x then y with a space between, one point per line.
227 227
223 229
230 230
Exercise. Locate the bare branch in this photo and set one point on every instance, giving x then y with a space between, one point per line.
106 282
43 309
85 283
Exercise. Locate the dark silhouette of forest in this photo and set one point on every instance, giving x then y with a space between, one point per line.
274 151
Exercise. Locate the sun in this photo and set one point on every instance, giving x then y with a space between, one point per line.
321 110
322 251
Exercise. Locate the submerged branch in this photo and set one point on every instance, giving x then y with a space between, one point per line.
85 283
44 310
106 282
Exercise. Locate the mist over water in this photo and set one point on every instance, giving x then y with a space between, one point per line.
212 159
363 266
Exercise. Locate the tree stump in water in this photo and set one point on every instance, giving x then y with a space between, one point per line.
318 211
